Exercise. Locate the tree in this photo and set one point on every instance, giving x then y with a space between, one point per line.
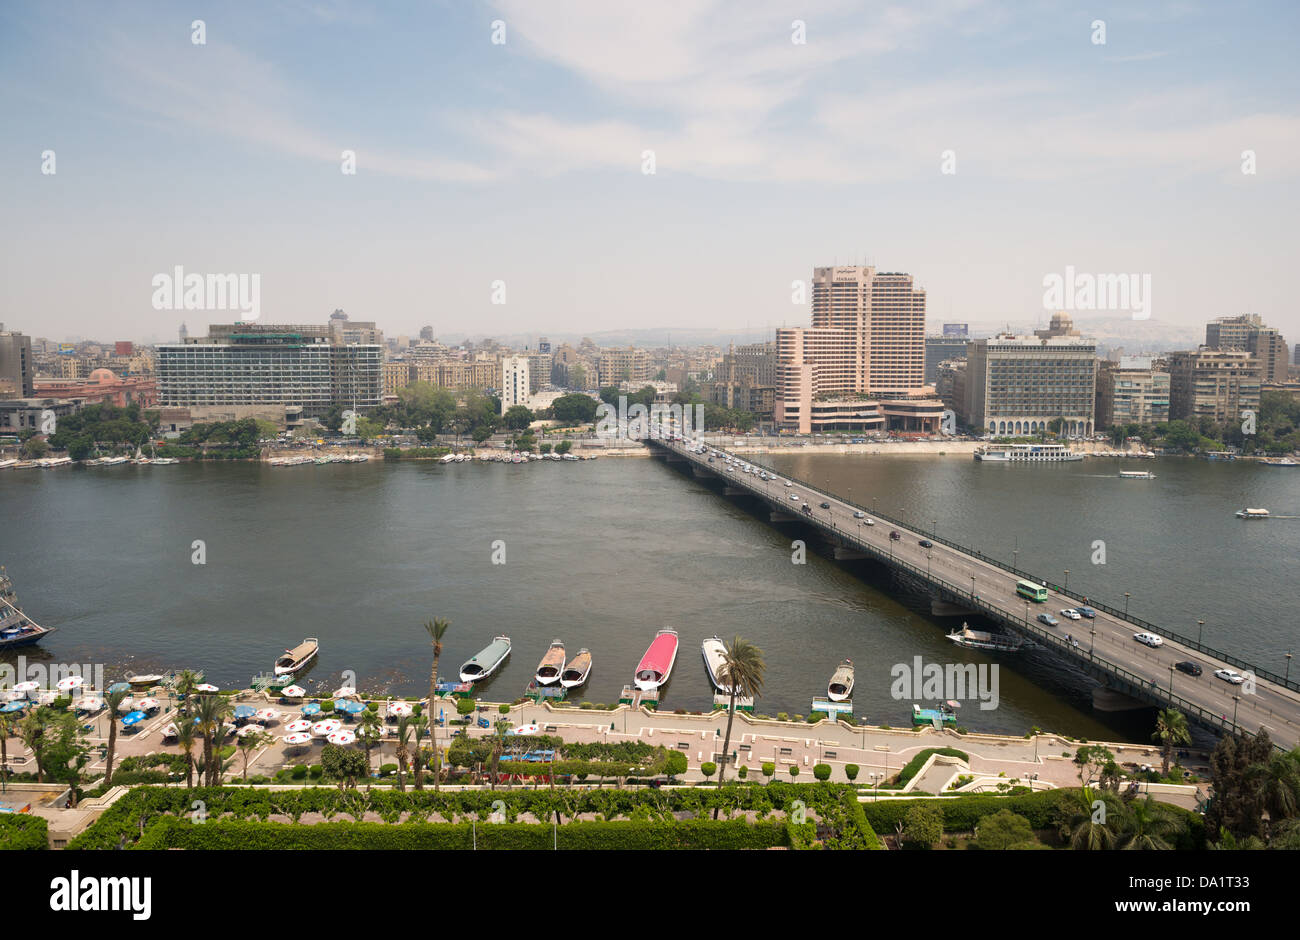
7 727
741 673
211 711
66 752
35 447
518 417
578 376
369 731
1096 764
1171 730
822 772
1146 827
1085 820
403 749
851 771
437 629
708 768
574 409
32 730
1003 830
112 701
922 826
248 743
186 733
344 764
564 446
1235 769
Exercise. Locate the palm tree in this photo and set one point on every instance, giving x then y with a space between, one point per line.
1278 784
1171 730
6 729
403 743
418 723
369 731
113 701
1086 832
185 683
247 743
211 710
32 730
498 748
186 733
437 629
1147 827
742 671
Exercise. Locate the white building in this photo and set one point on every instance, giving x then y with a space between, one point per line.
514 382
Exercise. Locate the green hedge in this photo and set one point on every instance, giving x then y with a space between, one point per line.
20 831
174 833
916 763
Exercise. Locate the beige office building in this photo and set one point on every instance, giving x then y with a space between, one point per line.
1131 391
1019 385
1218 384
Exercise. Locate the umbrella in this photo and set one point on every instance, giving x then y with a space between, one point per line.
26 687
953 704
133 718
296 738
351 708
47 698
147 704
322 728
206 687
69 683
525 729
245 711
311 708
120 687
294 727
247 730
170 731
90 703
127 705
346 691
267 714
293 691
341 737
14 695
399 709
12 707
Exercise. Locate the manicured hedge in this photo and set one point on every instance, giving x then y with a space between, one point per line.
916 763
20 831
174 833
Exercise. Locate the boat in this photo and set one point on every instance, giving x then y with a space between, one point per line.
552 664
1281 462
8 462
295 659
165 461
841 685
16 628
945 714
715 652
1252 513
485 662
144 681
657 663
981 640
1026 453
1137 475
576 670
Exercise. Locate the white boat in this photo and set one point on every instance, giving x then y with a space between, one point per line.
144 680
298 657
714 652
980 640
841 685
1252 513
551 667
486 661
576 670
1026 453
1137 475
8 462
1281 462
657 663
165 461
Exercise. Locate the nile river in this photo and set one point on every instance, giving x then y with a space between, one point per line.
603 553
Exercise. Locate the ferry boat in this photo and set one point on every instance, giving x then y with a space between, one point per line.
841 685
1252 513
552 664
576 671
16 628
657 663
1026 453
1137 475
298 657
485 662
144 681
714 652
981 640
1281 462
945 714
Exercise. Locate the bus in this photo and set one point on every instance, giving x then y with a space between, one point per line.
1035 592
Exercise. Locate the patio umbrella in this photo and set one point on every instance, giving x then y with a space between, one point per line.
69 683
293 691
267 714
206 687
247 730
245 711
323 728
14 695
297 738
346 691
134 718
126 705
9 707
350 708
170 731
89 703
47 697
147 704
25 687
295 727
120 687
311 708
399 709
342 736
525 729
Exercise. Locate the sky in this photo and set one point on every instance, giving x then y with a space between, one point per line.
784 135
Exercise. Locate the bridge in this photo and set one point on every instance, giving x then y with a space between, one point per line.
1131 672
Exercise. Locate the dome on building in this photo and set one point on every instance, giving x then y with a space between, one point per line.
103 377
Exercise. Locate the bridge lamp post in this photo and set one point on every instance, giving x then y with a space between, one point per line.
1026 612
928 555
972 587
1235 700
1093 642
1200 632
874 499
1067 580
1171 683
1015 559
1126 596
1288 667
934 528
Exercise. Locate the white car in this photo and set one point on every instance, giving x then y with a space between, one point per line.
1229 675
795 497
1150 639
1071 614
869 521
788 483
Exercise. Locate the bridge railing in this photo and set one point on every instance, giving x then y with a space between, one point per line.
1230 659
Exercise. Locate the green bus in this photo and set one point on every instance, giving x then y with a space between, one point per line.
1035 592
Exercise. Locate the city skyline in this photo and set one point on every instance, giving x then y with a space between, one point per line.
523 161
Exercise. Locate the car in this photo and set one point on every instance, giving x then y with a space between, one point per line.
1048 619
859 515
807 509
1229 675
895 536
1086 612
1149 639
1071 614
925 543
825 505
869 521
795 497
788 483
1189 667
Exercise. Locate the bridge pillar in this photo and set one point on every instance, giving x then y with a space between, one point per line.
1106 699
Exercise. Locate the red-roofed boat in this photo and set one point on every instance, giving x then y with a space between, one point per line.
657 663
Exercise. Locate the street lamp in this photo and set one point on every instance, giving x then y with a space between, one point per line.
1067 580
1171 683
1288 667
1093 642
1126 595
972 586
1026 613
1015 559
1200 632
1235 700
928 555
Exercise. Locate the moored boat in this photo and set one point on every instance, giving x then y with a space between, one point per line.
16 628
657 663
485 662
552 664
576 670
981 640
945 714
841 685
714 652
144 680
295 659
1030 453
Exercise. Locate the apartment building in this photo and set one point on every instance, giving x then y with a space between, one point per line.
1131 391
1218 384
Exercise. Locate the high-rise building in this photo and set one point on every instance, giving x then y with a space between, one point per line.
942 349
1131 391
1213 383
426 334
1022 384
624 365
16 365
539 370
1248 332
514 382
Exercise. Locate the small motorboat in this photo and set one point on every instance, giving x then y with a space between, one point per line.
144 681
552 664
982 640
486 661
841 685
714 652
576 670
1252 513
657 663
295 659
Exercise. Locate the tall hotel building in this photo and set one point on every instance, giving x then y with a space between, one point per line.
270 364
514 382
861 365
1022 384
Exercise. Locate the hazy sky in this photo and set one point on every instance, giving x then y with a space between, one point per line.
523 161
